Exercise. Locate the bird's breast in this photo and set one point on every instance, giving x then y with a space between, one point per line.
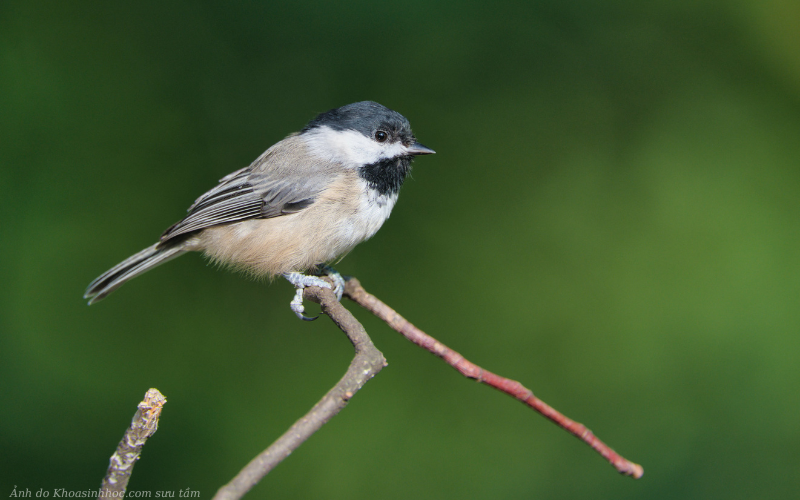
345 214
373 210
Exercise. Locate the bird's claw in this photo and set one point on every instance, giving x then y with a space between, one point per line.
297 306
300 282
338 281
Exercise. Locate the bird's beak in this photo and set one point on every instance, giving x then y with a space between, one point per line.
419 149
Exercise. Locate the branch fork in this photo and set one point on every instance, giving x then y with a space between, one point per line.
367 362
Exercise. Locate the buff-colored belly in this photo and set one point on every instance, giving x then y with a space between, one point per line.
326 230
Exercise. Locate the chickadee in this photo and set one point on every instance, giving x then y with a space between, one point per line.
305 201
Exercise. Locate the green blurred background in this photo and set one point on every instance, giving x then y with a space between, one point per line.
611 218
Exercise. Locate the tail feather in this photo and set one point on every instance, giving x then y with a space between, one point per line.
131 267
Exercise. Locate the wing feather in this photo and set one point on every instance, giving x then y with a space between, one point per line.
270 187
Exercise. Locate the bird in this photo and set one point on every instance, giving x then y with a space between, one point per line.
304 203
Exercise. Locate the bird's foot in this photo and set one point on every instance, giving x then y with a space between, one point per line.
301 281
338 280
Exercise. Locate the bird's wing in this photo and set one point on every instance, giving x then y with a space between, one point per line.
272 186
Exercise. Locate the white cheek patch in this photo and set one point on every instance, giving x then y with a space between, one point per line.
349 147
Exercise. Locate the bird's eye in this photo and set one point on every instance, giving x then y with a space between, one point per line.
381 136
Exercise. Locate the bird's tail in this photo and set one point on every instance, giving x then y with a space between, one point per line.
131 267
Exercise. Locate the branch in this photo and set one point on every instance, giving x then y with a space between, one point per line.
367 362
356 292
143 425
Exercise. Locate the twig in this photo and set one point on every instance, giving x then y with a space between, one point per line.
367 362
356 292
143 425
